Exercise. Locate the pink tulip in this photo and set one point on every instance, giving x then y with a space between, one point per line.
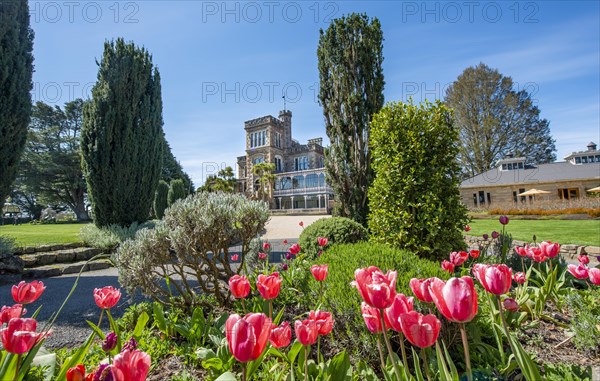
371 317
324 321
319 272
420 287
247 337
457 258
235 257
239 286
106 297
448 266
25 293
306 331
594 274
268 285
510 304
19 336
401 305
375 287
13 312
280 335
550 249
496 279
421 330
519 277
266 246
295 249
456 299
579 272
131 365
521 250
583 259
262 256
322 241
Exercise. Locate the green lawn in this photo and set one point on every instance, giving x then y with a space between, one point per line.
36 235
582 232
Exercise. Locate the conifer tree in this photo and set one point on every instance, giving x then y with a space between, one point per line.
160 199
176 191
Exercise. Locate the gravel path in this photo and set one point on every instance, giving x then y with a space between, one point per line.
70 329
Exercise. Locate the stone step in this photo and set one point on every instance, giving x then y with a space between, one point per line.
59 269
45 248
60 256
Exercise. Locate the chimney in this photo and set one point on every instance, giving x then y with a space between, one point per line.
592 146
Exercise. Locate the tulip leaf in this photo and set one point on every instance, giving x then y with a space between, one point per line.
339 366
159 318
115 328
417 363
77 357
227 376
294 351
140 325
96 329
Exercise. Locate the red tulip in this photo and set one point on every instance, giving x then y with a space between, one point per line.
496 279
421 330
239 286
458 257
295 249
550 249
25 293
306 331
280 335
583 259
467 228
266 246
456 299
579 272
371 316
503 220
401 305
319 272
19 336
301 224
76 373
235 257
262 256
420 287
510 304
537 254
448 266
248 336
13 312
519 277
131 365
268 285
375 287
594 274
474 254
324 321
107 297
285 241
322 241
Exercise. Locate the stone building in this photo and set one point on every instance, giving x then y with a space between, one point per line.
300 183
511 176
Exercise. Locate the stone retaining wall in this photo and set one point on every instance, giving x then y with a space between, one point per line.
569 251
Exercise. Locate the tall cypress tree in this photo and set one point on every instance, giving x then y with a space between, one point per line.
16 70
351 91
160 199
122 137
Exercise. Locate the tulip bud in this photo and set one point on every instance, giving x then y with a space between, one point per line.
485 237
110 342
495 234
284 267
510 304
288 256
504 220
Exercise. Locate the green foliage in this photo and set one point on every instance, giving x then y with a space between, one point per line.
161 199
504 120
336 229
122 138
351 91
344 301
176 191
16 69
266 179
50 169
585 306
224 181
111 236
171 169
414 200
7 245
195 233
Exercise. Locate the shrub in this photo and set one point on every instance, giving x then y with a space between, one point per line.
336 229
189 248
160 199
344 301
586 319
176 191
414 199
7 246
110 237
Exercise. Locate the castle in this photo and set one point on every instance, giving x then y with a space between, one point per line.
300 184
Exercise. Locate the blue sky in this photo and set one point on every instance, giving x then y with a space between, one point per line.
222 63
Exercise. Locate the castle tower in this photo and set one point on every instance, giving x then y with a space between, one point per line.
286 117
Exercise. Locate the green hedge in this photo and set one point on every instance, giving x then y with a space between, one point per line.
344 301
336 229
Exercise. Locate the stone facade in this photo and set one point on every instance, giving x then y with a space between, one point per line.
299 168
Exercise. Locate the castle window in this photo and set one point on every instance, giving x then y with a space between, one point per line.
577 160
300 163
258 160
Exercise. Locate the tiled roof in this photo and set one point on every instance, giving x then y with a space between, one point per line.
542 173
